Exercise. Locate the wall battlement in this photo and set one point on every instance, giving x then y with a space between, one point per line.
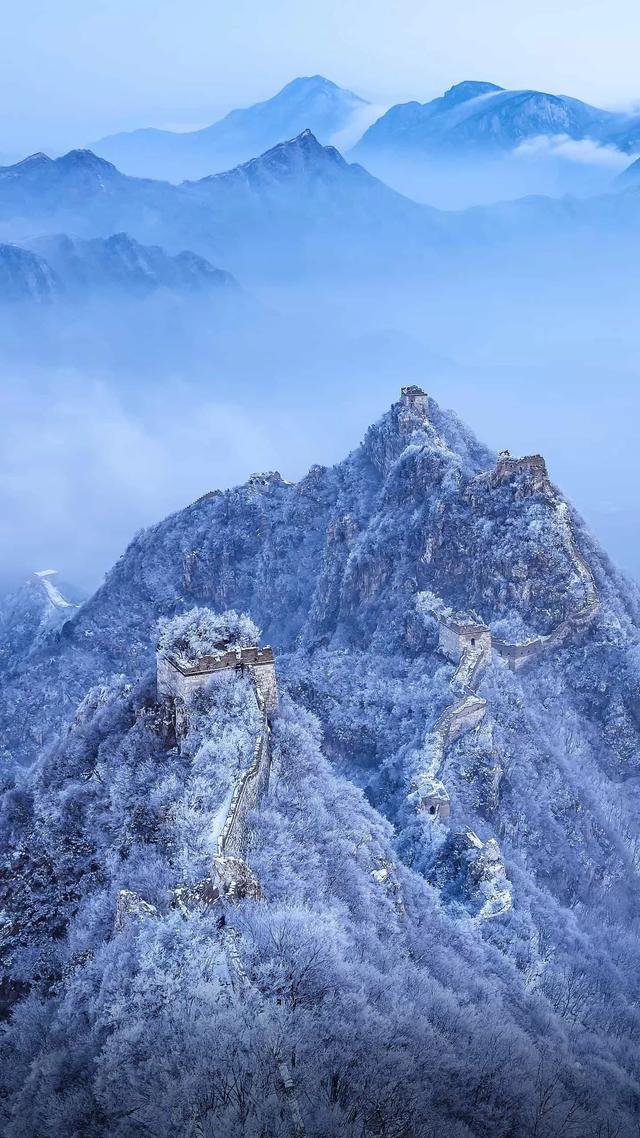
178 680
249 791
533 465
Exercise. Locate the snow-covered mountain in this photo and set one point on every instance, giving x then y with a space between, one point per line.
446 632
312 103
79 193
475 117
30 613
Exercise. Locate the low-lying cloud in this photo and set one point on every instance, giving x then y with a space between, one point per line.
585 151
81 472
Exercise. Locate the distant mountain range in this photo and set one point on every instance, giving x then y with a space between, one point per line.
470 119
311 103
280 206
298 206
59 266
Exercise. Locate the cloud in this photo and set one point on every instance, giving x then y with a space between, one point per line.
585 151
81 471
360 120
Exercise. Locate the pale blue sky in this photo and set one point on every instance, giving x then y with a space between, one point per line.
74 70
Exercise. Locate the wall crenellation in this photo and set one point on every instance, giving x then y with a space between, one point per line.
178 680
532 465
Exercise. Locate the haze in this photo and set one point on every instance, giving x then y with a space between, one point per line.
121 403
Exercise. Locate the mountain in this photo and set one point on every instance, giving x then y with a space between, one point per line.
312 103
31 613
298 200
82 194
121 264
481 118
456 952
302 208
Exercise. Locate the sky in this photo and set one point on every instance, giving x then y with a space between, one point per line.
73 71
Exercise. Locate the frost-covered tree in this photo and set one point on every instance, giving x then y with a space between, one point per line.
201 632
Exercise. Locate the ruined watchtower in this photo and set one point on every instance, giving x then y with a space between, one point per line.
414 397
532 465
433 798
177 679
462 632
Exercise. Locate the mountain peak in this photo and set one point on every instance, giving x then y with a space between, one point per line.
307 101
316 84
85 160
468 89
37 159
301 153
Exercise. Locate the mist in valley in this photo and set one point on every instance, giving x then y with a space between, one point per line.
117 413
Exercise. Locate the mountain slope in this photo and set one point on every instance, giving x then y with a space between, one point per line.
60 268
353 572
346 991
312 103
82 194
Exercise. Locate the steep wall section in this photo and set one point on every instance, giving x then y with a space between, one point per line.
249 791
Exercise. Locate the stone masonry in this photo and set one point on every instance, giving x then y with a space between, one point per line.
177 680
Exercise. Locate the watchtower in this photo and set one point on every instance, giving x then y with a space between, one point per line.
414 398
178 679
433 799
459 633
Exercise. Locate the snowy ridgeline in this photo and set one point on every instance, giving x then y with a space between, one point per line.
362 953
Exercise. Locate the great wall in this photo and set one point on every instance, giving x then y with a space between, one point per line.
469 643
463 638
231 878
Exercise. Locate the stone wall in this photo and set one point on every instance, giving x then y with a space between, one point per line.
533 465
463 716
176 680
433 798
518 655
249 791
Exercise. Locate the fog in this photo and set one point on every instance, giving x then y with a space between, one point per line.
550 165
127 393
117 414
